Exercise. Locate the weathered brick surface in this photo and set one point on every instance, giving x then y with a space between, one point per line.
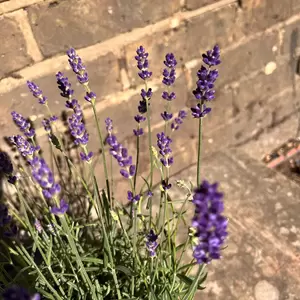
186 42
158 47
247 57
218 26
194 4
261 86
104 79
81 23
296 6
13 52
291 39
258 15
123 113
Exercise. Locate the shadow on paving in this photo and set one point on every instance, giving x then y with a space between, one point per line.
262 260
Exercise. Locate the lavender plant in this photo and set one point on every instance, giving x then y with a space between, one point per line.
112 250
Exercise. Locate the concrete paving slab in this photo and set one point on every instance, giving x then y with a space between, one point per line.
262 261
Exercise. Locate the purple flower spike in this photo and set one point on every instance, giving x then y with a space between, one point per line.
47 123
212 57
44 177
76 125
166 116
168 96
169 76
11 231
179 120
23 146
5 218
206 80
143 103
36 92
18 293
90 97
143 63
166 186
151 243
197 113
210 224
163 143
62 209
133 198
139 118
64 85
6 165
86 157
138 132
109 125
77 66
23 124
119 152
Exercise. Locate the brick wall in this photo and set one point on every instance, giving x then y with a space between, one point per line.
260 42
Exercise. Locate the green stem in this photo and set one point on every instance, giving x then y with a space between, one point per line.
193 287
199 148
137 159
149 137
83 272
101 143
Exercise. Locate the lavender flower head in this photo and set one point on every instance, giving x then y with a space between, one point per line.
24 147
143 63
139 131
163 143
151 243
146 96
90 97
64 85
205 84
169 75
64 206
182 114
23 124
77 129
47 123
5 218
119 152
77 66
6 165
18 293
209 223
133 198
44 177
36 92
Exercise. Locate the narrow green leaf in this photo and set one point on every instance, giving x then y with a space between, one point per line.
93 260
49 251
125 270
186 266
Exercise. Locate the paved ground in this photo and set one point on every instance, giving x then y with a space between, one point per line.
262 261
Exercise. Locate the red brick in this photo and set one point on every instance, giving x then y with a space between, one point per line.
84 22
194 4
13 51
